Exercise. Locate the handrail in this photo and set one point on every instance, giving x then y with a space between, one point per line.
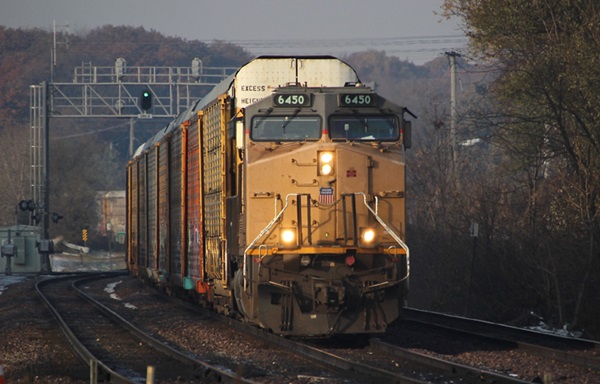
278 215
261 234
387 228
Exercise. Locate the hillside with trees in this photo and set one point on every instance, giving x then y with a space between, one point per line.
87 155
535 192
502 217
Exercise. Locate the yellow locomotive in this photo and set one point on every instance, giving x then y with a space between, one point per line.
280 197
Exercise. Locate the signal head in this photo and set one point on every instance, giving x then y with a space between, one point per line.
146 100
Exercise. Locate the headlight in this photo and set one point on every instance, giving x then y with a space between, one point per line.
326 169
325 163
367 235
288 237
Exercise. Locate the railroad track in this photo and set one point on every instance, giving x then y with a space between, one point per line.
315 365
580 352
161 321
395 364
115 350
345 362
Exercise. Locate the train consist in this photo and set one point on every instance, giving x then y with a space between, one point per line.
279 197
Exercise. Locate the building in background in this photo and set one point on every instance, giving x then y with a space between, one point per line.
111 213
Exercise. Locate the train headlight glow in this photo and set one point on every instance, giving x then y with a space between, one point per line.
326 157
325 163
326 169
367 235
288 237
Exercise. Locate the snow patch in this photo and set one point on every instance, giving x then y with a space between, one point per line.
110 289
545 328
5 281
564 332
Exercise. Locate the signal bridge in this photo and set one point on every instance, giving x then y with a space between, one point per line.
112 91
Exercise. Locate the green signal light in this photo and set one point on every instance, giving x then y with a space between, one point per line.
145 100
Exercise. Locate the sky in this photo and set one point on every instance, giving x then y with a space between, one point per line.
409 29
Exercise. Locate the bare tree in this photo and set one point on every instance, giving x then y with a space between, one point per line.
14 170
547 91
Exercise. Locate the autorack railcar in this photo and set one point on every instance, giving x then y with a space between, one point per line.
279 197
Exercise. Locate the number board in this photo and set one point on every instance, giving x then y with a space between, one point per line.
292 100
357 100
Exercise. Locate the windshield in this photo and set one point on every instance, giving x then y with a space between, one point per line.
285 128
364 127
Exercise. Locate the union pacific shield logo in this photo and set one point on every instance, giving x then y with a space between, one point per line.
326 196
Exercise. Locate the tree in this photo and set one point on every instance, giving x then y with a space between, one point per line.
14 171
80 166
548 55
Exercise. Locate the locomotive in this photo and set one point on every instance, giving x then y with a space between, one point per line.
279 197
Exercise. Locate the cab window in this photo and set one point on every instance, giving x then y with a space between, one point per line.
364 128
285 128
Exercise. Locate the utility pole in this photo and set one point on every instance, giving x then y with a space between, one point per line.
45 264
474 232
131 137
452 58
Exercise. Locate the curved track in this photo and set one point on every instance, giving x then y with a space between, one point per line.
345 360
115 350
188 344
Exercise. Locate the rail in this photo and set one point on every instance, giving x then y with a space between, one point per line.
78 346
105 368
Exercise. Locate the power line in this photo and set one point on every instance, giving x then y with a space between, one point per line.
92 132
422 47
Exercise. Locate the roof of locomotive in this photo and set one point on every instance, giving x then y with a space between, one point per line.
273 76
271 81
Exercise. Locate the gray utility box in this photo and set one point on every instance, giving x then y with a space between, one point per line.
19 245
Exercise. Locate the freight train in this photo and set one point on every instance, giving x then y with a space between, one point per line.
279 198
